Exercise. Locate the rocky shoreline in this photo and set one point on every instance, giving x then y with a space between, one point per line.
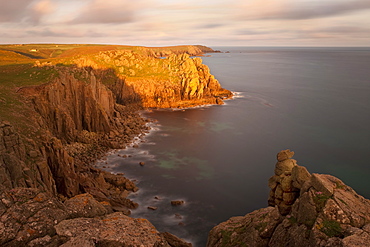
49 190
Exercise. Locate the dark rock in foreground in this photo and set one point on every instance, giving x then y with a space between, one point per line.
305 210
30 217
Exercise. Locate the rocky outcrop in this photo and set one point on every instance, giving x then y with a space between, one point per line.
30 217
115 229
77 102
305 210
287 182
192 50
189 84
175 82
206 49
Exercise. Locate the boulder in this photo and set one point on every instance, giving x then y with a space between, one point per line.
299 176
284 155
284 166
175 241
114 229
84 205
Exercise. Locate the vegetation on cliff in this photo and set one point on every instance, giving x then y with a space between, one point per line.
61 107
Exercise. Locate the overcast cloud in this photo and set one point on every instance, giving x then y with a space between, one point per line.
299 10
108 11
24 11
169 22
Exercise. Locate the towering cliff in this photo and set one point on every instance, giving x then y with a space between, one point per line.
90 103
59 115
305 210
175 82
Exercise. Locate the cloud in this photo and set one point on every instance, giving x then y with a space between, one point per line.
70 33
211 25
300 9
11 11
331 34
253 32
24 11
40 9
345 30
108 12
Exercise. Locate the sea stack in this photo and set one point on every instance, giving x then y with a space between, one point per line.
284 191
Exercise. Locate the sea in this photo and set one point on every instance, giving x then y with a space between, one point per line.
218 159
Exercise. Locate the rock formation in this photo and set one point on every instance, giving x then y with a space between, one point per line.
176 82
305 210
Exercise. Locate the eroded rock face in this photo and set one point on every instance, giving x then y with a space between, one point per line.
19 168
323 212
77 102
175 82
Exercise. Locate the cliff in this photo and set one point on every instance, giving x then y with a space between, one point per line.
175 82
59 115
305 210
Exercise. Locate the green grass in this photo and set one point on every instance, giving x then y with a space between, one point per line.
332 228
226 237
13 107
320 199
292 220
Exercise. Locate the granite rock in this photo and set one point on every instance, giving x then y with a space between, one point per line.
320 211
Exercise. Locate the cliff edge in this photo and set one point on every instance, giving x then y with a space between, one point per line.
305 210
60 113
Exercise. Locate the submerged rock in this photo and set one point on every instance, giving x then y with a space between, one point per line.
305 210
177 203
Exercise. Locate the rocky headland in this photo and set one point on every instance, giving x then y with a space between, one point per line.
58 113
304 210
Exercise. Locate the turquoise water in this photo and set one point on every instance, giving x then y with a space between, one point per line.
314 101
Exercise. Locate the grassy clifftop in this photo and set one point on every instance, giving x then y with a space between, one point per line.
155 82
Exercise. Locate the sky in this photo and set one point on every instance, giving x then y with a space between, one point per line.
205 22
